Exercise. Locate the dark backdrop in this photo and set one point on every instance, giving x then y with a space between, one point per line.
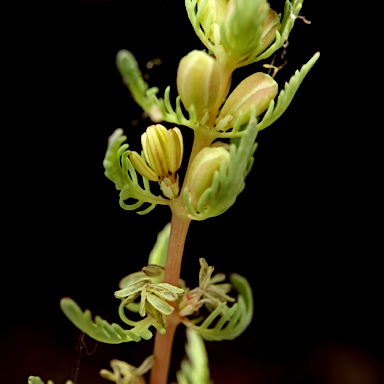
295 232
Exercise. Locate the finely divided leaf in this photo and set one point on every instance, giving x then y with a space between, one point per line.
100 329
227 323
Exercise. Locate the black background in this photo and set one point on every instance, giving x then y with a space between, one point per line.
297 232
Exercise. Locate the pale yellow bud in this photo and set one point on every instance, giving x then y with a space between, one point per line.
270 26
203 168
240 29
257 90
248 28
142 167
211 16
163 151
198 82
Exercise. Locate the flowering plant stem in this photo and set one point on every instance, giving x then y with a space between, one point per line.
179 228
163 343
236 33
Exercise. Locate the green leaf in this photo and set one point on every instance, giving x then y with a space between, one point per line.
286 95
158 109
132 278
101 330
195 370
129 70
120 170
158 254
228 322
176 116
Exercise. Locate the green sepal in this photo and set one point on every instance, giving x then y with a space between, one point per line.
159 304
286 95
158 317
133 278
194 16
229 181
176 115
120 170
166 291
132 288
104 332
229 322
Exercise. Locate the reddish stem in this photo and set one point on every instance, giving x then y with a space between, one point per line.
179 229
162 351
163 343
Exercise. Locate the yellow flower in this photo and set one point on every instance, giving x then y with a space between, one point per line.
163 152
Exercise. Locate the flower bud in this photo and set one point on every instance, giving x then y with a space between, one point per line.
202 171
211 16
248 28
198 82
240 27
257 90
270 26
163 150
